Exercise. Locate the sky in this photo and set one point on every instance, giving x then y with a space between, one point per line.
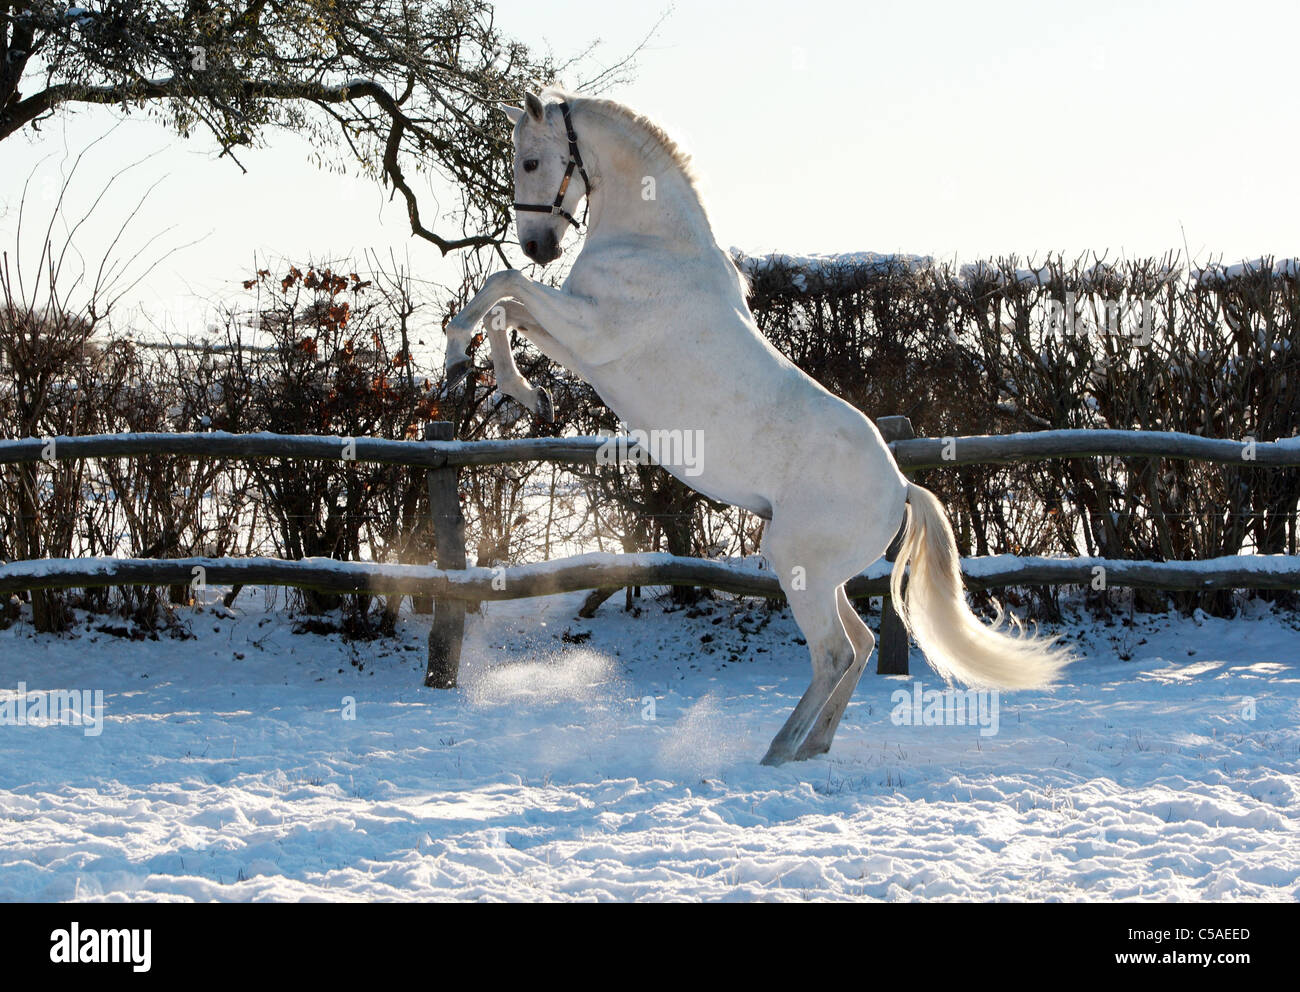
952 129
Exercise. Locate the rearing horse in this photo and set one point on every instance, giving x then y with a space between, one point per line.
654 316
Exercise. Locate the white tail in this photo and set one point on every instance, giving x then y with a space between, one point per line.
934 609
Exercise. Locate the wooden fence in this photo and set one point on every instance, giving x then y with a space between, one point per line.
452 585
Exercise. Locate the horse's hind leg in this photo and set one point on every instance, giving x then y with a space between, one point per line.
813 601
832 657
828 721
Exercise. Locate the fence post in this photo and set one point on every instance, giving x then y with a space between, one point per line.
893 652
448 630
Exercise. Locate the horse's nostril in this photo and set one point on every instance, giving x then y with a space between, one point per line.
530 248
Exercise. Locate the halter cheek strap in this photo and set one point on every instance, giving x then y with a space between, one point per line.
575 162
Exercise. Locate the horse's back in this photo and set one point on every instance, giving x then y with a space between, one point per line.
696 360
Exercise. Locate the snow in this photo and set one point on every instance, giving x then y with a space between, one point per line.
828 265
80 16
1099 273
532 573
1282 268
625 766
980 271
1256 565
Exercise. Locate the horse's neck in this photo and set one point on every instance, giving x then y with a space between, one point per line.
638 190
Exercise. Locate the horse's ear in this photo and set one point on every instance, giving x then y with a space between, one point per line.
534 104
514 113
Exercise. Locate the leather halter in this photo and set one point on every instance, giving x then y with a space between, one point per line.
575 162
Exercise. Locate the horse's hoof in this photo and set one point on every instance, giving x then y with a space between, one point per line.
775 756
807 750
545 407
456 374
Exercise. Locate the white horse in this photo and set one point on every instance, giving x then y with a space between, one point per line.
654 316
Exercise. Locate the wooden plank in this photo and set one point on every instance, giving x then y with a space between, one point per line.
912 455
447 633
594 598
218 444
894 650
594 571
924 453
895 428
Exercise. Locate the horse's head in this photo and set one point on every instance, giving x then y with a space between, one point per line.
547 190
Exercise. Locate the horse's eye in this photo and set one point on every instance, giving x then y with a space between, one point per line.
530 165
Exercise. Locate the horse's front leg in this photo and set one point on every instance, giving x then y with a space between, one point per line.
569 322
518 318
460 330
500 319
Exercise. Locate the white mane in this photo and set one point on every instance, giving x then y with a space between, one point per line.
656 142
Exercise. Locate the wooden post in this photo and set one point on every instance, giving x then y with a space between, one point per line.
448 630
893 652
594 598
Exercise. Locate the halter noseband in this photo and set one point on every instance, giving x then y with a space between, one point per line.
575 161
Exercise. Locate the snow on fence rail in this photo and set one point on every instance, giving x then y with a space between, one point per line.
913 454
453 585
600 570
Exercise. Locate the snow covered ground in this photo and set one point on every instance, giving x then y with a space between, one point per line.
625 766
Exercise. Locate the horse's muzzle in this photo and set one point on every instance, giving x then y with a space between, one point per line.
543 250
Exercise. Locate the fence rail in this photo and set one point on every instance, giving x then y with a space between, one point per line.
602 570
912 455
452 585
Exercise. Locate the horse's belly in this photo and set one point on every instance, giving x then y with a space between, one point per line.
716 486
710 450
